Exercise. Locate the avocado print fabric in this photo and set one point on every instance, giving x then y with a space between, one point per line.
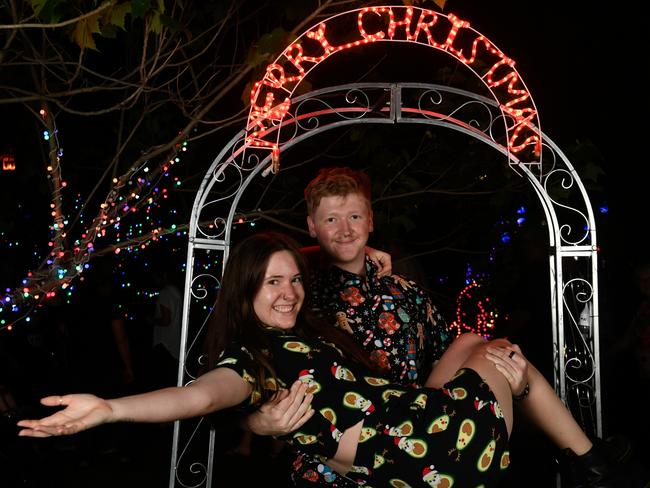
391 317
411 436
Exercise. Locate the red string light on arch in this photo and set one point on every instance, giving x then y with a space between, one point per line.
270 97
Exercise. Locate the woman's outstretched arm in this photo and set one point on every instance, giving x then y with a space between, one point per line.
218 389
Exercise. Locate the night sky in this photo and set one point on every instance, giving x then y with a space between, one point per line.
584 66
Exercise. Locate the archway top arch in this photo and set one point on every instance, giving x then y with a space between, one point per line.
271 96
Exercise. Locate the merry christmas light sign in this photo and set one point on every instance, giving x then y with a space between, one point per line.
271 96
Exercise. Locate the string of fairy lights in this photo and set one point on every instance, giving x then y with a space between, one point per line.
475 311
145 196
132 217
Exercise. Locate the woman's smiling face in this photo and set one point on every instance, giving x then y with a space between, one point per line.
281 295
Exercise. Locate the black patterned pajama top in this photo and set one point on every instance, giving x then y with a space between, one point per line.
413 436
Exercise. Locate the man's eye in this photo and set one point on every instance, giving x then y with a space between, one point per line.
330 220
356 217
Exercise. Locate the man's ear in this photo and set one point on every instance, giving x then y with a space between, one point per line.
311 226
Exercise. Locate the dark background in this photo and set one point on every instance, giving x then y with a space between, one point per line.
584 66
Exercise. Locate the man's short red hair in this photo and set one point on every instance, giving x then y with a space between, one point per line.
337 181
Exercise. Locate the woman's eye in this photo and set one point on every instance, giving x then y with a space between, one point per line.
297 279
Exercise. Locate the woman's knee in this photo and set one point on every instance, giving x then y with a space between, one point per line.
501 342
469 339
494 378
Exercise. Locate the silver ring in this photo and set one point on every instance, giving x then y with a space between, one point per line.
512 354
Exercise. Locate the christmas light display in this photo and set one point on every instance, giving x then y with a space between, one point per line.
8 162
270 97
138 191
474 312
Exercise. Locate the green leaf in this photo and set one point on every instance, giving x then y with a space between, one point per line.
38 6
84 30
156 24
140 7
109 31
46 10
174 26
269 46
118 14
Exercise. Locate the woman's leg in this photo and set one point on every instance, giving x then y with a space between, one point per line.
452 360
587 464
494 379
542 405
545 409
468 350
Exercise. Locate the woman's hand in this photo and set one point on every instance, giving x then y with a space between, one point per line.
286 412
512 364
81 412
381 259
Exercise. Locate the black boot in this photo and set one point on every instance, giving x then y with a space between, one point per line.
603 466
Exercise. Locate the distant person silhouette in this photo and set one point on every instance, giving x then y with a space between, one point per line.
166 330
100 351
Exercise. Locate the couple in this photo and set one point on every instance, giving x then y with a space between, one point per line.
376 432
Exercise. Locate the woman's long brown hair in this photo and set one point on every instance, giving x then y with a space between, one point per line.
234 320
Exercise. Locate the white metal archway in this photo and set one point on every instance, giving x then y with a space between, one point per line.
506 122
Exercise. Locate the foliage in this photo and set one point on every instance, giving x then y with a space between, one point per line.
121 87
95 93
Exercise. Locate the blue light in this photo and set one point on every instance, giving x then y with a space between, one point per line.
604 208
521 220
505 238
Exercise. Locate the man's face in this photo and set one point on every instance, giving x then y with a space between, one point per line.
342 226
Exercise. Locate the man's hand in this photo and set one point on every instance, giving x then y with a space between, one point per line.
381 259
286 412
